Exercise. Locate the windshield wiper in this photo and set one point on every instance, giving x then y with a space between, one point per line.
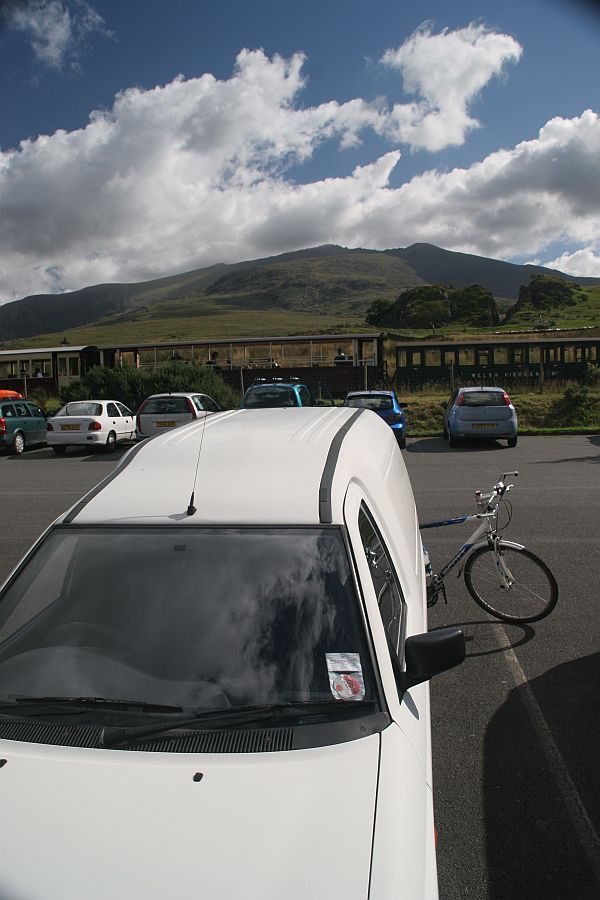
241 715
81 704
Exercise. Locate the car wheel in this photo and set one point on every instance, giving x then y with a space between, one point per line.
111 442
18 443
60 449
512 442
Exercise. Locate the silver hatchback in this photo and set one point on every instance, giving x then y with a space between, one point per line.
160 412
480 412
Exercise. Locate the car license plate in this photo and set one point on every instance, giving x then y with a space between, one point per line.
165 424
485 425
69 427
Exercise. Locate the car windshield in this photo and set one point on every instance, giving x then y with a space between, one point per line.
270 396
193 617
81 408
376 402
483 398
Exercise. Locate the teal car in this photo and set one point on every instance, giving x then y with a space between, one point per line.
265 394
22 424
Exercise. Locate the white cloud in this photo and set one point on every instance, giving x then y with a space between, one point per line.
195 172
446 71
56 29
582 263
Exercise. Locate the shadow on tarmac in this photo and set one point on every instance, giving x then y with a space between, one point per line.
538 841
439 445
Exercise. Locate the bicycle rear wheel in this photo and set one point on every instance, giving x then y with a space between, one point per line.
525 592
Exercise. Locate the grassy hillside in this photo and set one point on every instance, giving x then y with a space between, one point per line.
321 289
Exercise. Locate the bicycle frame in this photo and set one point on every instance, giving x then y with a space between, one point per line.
486 527
471 542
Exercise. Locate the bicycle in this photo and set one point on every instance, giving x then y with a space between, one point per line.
504 578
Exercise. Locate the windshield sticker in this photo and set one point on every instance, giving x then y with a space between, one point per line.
345 676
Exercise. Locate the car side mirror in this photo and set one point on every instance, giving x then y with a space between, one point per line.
430 654
443 404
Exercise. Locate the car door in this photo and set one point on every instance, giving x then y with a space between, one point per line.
25 422
115 419
39 423
127 421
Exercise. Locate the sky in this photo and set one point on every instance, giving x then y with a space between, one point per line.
146 138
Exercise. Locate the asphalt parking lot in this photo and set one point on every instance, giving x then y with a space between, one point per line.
517 726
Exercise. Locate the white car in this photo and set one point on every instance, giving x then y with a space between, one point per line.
90 423
161 412
213 673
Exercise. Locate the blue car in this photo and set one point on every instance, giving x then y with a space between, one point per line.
480 412
386 405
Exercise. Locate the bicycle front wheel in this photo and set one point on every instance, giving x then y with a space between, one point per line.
511 584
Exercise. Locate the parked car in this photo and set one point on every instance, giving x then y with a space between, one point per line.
90 423
269 394
476 412
21 424
161 412
220 656
386 405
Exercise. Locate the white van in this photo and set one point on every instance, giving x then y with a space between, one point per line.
213 673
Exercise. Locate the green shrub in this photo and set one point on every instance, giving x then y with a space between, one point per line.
131 386
578 406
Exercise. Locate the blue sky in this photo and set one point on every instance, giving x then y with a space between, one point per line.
140 138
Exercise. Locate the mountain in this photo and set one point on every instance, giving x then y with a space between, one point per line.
321 287
437 266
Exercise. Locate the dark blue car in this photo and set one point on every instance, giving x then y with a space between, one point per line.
386 405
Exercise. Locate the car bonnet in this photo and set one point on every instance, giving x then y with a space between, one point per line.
292 824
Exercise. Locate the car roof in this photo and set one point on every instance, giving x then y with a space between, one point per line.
178 394
272 384
480 388
368 393
263 466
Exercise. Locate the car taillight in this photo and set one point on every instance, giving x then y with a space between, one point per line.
94 426
460 399
506 399
2 426
191 406
49 426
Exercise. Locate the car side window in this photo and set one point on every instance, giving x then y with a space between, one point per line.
36 411
390 598
8 411
111 410
21 410
210 405
305 398
124 411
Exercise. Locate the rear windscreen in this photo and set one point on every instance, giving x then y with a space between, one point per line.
484 398
375 402
159 405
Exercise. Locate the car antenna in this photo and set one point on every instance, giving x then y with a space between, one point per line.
191 508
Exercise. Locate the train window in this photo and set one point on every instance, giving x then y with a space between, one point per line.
73 365
534 354
466 356
433 357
